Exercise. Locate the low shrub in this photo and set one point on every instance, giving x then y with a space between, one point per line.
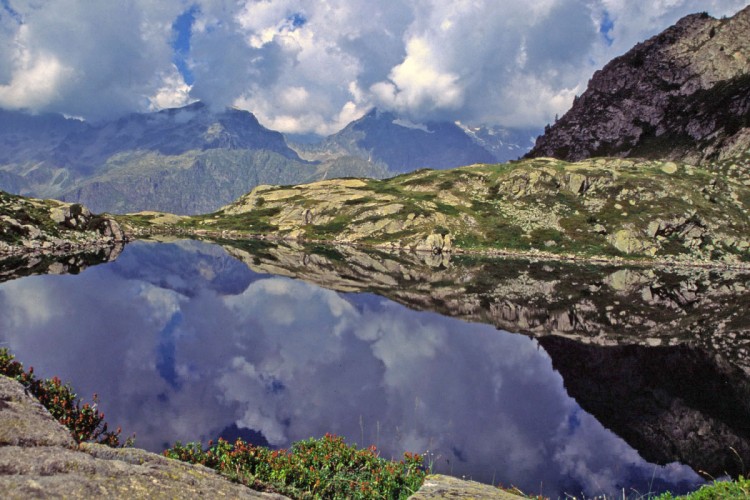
315 468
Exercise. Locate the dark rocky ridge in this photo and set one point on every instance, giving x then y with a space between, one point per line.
683 95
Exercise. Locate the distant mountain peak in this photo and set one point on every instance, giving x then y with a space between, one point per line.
382 136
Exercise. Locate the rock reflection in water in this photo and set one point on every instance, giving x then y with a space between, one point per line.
599 304
669 403
18 266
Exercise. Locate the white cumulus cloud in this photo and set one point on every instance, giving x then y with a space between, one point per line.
315 66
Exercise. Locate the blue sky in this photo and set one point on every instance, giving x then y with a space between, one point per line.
304 66
182 27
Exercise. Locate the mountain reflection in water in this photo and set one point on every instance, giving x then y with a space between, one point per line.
184 342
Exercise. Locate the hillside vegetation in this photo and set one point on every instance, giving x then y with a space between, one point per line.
610 208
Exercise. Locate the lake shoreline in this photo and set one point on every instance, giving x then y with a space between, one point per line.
533 254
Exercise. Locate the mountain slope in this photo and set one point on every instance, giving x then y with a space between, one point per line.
194 160
193 182
503 143
683 95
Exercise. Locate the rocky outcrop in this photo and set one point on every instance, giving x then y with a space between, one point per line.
28 225
683 94
39 459
605 208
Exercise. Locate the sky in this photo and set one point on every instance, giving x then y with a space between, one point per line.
304 66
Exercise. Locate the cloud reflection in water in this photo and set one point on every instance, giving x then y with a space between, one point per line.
181 342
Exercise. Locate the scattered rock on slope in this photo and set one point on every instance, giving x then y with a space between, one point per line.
611 208
29 225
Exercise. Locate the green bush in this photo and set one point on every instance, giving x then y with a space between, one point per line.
315 468
718 490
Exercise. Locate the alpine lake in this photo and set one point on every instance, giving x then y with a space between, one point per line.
559 378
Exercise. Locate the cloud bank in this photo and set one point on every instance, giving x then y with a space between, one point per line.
315 66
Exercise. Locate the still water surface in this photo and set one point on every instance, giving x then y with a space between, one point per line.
183 342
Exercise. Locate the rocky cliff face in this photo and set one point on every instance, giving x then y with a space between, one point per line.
683 94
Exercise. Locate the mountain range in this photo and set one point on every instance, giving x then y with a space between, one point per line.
402 146
183 160
193 159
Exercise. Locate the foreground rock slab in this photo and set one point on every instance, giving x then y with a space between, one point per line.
39 459
437 486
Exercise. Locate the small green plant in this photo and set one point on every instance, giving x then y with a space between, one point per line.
718 490
315 468
84 420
